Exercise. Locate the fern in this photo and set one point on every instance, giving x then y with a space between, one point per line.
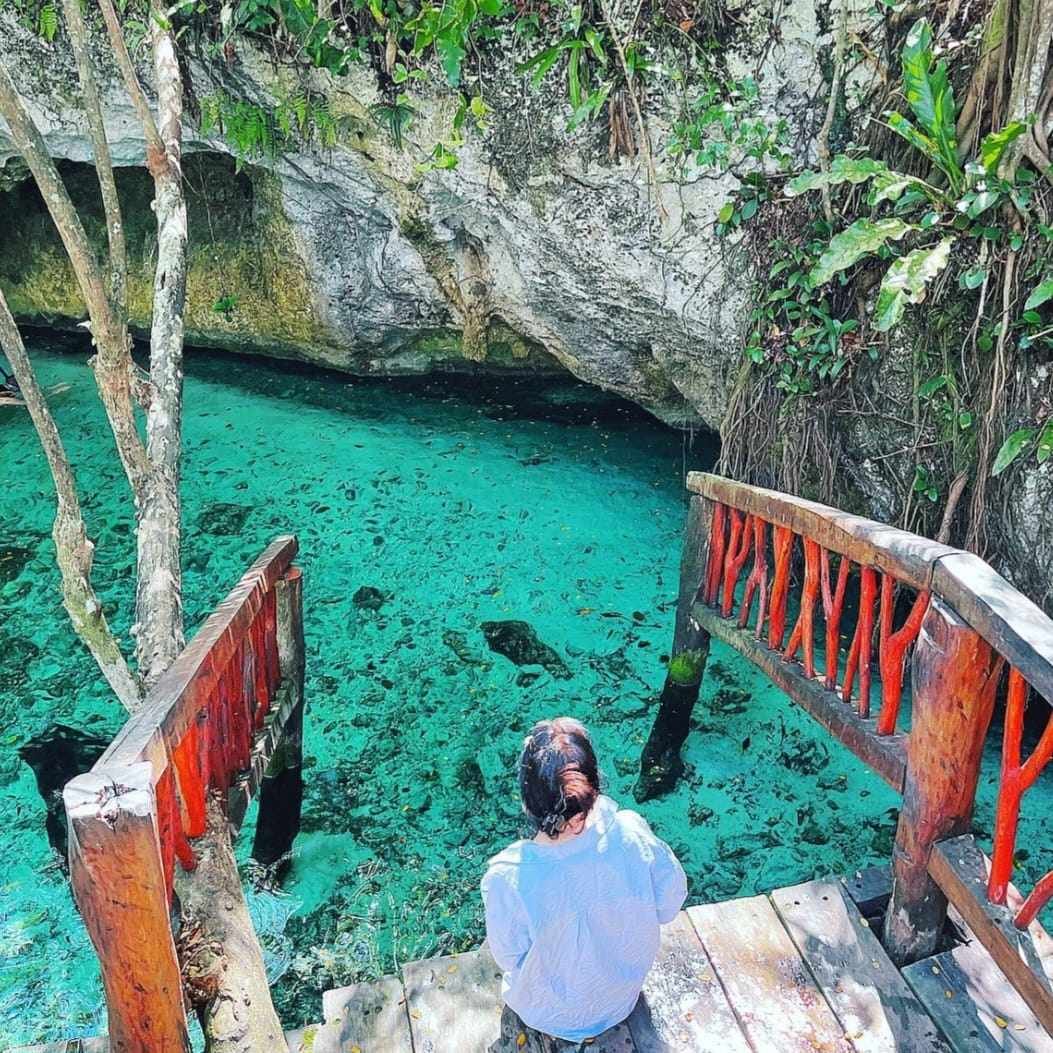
47 22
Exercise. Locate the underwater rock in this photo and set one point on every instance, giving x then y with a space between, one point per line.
520 644
56 756
368 598
13 559
223 519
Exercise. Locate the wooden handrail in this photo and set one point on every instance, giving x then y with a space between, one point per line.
209 726
968 624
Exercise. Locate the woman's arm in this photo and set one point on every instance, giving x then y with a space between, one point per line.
506 926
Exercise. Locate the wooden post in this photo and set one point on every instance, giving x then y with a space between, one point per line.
660 763
955 674
281 792
118 883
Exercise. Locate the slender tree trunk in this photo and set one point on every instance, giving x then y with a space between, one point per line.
113 364
220 952
74 552
159 611
101 148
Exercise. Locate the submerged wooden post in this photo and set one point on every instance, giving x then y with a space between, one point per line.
281 792
955 674
119 885
660 763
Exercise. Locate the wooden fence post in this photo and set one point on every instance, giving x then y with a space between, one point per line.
955 674
119 885
281 792
660 763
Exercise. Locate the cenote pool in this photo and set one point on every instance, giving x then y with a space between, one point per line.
453 503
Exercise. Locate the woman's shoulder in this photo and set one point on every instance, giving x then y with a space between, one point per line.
632 826
504 865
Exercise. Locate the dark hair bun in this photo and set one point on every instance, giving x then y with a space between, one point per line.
558 776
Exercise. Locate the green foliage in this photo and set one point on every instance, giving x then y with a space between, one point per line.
47 22
865 237
723 126
905 282
592 69
253 131
1038 438
686 668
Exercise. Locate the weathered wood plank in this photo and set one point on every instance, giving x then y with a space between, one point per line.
878 1011
1008 620
164 716
907 556
869 889
966 994
683 1008
516 1037
119 885
886 754
372 1016
767 983
454 1003
955 673
960 869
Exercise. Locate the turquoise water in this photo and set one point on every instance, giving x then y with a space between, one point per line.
462 502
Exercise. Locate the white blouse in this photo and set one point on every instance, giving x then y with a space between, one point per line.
575 925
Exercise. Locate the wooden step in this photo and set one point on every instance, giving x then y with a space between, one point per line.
683 1008
454 1003
768 984
371 1016
966 993
876 1007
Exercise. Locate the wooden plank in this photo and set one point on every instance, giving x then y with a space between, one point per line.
908 557
876 1008
955 674
683 1008
516 1037
372 1016
960 869
167 711
454 1002
768 985
1008 620
869 889
966 994
119 886
886 754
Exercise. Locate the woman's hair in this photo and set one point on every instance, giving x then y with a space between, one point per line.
558 777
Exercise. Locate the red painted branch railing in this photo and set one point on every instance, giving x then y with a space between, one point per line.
895 597
207 728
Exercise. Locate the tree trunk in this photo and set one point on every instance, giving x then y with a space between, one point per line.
74 552
221 958
159 610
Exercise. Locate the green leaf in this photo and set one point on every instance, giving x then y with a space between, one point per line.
862 238
1039 295
1012 448
930 96
930 387
974 278
726 212
842 170
906 130
1044 449
449 45
540 64
574 79
890 188
982 202
994 145
905 282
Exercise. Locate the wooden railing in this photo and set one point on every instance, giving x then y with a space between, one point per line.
209 726
959 623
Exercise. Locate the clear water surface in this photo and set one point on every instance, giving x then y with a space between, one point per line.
461 502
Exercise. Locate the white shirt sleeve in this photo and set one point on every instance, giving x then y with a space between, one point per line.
506 923
669 882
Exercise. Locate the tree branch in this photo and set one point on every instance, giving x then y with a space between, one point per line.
113 367
73 551
78 35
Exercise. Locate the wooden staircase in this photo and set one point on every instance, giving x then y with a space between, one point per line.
797 971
